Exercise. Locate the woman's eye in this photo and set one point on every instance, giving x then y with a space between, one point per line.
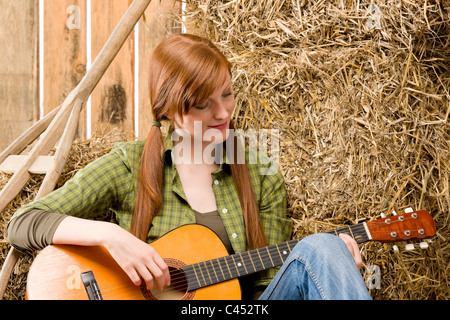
203 106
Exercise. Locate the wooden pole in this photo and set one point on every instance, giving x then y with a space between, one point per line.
62 152
29 135
43 146
75 99
10 261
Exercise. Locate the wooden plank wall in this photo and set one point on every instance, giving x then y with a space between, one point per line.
19 74
113 103
64 51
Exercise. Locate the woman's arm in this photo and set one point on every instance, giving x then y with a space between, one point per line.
137 258
102 184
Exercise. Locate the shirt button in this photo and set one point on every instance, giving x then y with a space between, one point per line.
216 182
224 210
234 235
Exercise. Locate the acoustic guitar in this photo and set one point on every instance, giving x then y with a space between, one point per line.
200 266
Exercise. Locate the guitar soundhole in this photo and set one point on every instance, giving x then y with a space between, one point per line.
178 285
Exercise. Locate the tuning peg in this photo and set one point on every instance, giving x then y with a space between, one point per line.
395 248
409 210
394 213
409 247
423 245
382 215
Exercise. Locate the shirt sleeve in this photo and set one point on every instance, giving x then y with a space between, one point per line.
34 229
93 190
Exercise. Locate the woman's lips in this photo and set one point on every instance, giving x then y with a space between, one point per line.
220 126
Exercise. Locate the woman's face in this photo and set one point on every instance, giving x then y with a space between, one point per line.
208 123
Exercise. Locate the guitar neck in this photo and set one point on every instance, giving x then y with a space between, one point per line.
210 272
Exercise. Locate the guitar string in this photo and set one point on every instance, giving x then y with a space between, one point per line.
380 222
245 258
178 279
132 287
210 269
170 290
181 279
249 257
161 294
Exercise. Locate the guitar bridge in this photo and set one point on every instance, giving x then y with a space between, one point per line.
91 286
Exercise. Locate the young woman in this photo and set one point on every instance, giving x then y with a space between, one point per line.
156 185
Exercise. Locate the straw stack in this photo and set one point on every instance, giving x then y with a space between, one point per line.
360 96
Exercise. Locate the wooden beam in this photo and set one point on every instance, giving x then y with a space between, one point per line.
31 134
13 163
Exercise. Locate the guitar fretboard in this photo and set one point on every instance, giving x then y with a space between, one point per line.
213 271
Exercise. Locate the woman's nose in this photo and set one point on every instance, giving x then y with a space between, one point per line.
221 111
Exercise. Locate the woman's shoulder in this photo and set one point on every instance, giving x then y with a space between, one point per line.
128 152
129 148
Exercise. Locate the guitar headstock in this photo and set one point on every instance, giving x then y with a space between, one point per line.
401 227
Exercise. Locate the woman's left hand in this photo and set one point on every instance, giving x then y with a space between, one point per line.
353 247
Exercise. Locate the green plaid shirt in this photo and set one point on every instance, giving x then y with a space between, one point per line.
110 183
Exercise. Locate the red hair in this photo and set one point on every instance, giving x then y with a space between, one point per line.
184 72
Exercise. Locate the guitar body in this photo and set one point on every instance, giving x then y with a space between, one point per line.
56 272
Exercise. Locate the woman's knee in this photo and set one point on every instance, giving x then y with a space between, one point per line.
321 244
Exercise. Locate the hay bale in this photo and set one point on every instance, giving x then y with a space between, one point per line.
362 105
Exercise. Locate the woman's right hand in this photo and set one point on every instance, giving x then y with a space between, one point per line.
138 259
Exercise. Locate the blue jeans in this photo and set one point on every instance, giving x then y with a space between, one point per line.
319 267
